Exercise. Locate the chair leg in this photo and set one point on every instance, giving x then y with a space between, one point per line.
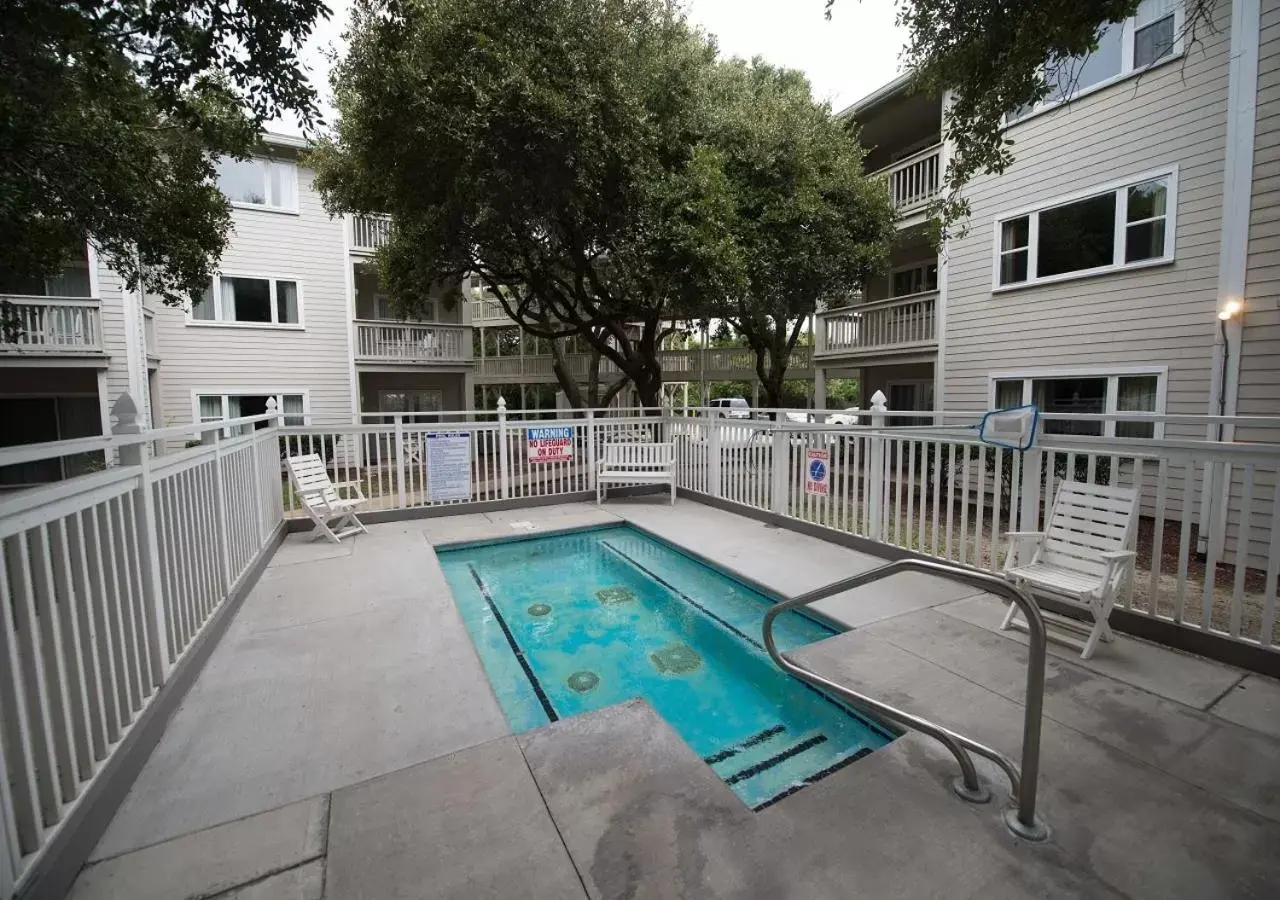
673 493
1008 617
1094 636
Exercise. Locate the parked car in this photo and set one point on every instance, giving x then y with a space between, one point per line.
731 408
848 417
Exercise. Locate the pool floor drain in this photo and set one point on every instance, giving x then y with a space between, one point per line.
615 594
538 609
678 659
583 681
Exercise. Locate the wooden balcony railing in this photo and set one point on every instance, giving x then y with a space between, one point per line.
411 342
885 325
50 325
914 181
369 232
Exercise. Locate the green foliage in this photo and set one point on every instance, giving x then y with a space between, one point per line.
550 149
110 111
801 222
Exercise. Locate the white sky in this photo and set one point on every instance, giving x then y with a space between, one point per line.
845 58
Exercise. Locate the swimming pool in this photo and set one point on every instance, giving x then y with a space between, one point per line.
578 621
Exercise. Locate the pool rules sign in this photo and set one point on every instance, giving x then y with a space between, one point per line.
817 472
552 444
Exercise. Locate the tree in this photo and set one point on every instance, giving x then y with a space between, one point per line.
548 149
997 56
805 224
110 111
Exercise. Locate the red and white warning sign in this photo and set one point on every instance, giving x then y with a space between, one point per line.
817 472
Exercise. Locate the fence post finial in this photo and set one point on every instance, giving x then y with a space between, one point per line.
502 404
125 412
878 401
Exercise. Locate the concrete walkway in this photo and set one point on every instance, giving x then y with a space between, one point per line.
343 742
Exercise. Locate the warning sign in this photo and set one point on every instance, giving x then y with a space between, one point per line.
817 472
553 444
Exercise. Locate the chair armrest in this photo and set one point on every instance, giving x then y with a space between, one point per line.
1023 535
355 485
1117 555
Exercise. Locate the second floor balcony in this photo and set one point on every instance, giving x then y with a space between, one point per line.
70 326
884 327
732 363
368 233
915 180
411 343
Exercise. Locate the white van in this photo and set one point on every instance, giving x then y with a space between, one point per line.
731 408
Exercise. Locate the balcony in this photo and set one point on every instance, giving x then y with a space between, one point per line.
51 326
368 233
411 343
487 311
890 327
677 365
914 181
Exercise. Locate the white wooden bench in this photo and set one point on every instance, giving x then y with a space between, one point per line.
334 515
636 463
1083 559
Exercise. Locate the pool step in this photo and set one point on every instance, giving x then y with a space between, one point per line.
775 763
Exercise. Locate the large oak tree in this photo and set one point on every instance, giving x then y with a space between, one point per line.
549 148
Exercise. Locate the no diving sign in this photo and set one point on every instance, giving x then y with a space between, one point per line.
817 472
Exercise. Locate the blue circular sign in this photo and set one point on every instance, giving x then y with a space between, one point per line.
817 470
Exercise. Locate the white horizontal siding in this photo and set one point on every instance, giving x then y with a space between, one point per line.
308 248
1172 116
1260 349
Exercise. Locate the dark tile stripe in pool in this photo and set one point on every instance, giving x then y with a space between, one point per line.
766 764
683 596
813 779
515 648
758 738
884 733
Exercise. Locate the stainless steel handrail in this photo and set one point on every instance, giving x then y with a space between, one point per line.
1022 821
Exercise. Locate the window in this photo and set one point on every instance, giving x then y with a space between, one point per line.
1150 36
256 301
915 280
269 183
1122 226
31 420
217 407
1085 393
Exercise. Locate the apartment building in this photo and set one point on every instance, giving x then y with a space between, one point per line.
1090 276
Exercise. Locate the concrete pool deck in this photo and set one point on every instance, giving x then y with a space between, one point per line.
343 742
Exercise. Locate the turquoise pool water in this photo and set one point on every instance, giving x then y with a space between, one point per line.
574 622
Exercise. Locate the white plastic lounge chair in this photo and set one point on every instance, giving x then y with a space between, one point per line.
334 515
1082 560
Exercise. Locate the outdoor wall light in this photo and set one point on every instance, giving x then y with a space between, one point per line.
1229 310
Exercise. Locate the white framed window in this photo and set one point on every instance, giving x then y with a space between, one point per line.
259 183
914 279
1092 391
1129 224
250 300
217 406
1152 35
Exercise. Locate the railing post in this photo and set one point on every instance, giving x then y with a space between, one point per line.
1032 476
877 470
401 495
713 457
504 466
214 437
781 459
125 412
591 449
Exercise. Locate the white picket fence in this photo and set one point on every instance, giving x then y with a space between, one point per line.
106 580
1207 507
391 461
